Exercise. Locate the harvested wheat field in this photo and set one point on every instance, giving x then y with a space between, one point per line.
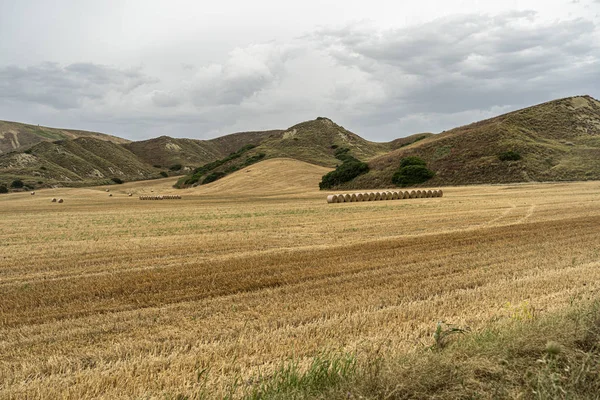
118 298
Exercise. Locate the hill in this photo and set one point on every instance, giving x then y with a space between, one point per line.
557 141
17 136
76 162
316 141
166 152
270 177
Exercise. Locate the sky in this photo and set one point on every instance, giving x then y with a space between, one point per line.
201 69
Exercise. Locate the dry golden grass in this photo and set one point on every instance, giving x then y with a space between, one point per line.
115 297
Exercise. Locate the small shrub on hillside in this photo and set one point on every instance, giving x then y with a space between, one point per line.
164 174
412 175
116 180
343 173
412 171
213 176
157 166
412 160
3 189
43 168
17 184
509 156
175 167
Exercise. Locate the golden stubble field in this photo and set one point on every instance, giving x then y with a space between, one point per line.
120 298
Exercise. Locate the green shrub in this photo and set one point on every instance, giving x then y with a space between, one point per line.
3 189
175 167
17 184
412 175
343 173
43 168
509 156
157 166
164 174
213 176
412 160
118 181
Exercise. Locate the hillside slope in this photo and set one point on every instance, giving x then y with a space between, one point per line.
270 177
77 162
315 142
17 136
166 151
558 141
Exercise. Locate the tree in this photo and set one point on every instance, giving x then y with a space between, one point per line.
412 171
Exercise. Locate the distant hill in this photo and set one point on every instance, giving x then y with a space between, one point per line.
18 136
166 151
316 141
557 141
313 142
76 162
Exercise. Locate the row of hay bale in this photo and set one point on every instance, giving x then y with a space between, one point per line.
163 197
388 195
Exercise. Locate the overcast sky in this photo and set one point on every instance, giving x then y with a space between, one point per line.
383 69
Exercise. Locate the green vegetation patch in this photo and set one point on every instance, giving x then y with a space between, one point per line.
350 168
412 171
509 156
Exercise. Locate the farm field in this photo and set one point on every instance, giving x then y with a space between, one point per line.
112 297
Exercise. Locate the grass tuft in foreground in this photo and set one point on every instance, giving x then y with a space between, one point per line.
553 357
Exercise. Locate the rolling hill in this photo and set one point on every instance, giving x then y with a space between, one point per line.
17 136
166 152
313 142
276 176
76 162
557 141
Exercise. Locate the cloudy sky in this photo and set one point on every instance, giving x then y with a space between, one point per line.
383 69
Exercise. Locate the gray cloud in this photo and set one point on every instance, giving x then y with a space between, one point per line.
470 62
67 87
379 83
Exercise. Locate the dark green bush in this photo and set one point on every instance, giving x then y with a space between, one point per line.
213 176
412 160
116 180
157 166
43 168
175 167
509 156
343 173
412 175
3 189
164 174
17 184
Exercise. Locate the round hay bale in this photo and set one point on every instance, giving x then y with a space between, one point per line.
347 198
359 197
353 198
377 196
389 195
60 200
394 195
419 194
32 193
413 194
110 195
332 198
440 193
108 190
429 193
54 200
341 198
129 194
